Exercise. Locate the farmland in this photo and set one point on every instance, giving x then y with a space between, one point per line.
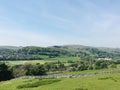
61 59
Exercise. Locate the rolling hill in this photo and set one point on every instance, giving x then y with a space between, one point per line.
38 53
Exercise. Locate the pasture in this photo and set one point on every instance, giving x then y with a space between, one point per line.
95 82
61 59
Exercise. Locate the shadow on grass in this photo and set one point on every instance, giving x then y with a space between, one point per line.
81 89
106 78
37 82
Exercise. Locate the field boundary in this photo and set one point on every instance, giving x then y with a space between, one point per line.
68 75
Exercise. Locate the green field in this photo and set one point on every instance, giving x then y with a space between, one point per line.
95 82
61 59
25 61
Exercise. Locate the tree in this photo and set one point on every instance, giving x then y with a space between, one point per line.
113 65
36 69
5 73
101 64
28 69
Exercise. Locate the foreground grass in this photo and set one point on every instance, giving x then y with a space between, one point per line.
96 82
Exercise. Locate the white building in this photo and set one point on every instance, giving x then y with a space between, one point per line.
107 59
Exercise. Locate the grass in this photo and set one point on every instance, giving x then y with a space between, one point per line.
91 71
97 82
62 59
25 61
37 82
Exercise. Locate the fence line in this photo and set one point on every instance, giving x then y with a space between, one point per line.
66 75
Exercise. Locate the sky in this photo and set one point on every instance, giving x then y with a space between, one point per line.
60 22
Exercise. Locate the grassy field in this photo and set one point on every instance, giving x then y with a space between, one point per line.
95 82
24 61
62 59
89 71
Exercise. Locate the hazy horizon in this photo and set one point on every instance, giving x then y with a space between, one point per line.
57 45
60 22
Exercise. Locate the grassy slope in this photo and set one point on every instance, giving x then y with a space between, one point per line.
97 82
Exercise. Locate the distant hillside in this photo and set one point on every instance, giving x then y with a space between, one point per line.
35 52
81 47
9 47
72 47
94 51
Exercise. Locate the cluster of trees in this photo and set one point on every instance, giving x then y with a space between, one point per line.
28 69
88 65
8 72
31 53
37 69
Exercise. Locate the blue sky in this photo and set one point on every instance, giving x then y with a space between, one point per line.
60 22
